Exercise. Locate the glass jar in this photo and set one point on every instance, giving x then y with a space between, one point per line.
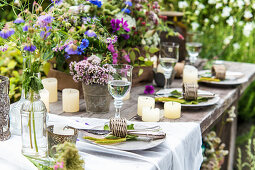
4 109
33 126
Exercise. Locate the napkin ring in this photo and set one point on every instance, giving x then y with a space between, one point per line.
190 91
219 71
118 127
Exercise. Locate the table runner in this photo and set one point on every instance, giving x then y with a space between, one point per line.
181 150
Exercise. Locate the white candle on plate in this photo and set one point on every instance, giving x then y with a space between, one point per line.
190 74
144 101
45 97
51 84
70 100
172 110
60 129
150 115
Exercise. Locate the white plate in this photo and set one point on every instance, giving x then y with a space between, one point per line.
210 102
129 145
232 78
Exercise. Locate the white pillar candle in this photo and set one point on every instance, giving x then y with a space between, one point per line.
70 100
60 129
150 115
45 97
51 84
190 74
160 69
172 110
144 101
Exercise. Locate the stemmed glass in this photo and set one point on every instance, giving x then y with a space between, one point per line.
119 84
193 46
169 55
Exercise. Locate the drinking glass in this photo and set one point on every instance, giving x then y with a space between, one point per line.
169 55
119 84
193 46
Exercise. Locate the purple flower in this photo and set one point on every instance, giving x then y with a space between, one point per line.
111 48
57 2
71 49
45 34
96 2
4 48
124 25
18 21
125 10
125 36
6 33
129 3
90 33
117 24
149 89
44 20
127 58
30 48
25 28
114 58
86 124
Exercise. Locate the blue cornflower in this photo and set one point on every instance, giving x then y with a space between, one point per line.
25 28
128 3
91 33
96 2
126 10
84 44
30 48
18 21
6 33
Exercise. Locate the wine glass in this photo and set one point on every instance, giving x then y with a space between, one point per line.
119 84
169 55
193 46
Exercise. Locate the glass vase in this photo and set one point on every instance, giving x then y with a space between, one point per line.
33 126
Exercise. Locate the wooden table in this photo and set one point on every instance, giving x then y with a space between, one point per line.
207 117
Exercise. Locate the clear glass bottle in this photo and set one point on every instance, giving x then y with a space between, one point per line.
33 126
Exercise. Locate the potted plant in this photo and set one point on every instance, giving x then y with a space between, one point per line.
93 74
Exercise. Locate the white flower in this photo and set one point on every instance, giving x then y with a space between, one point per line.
182 4
218 5
230 21
236 46
247 2
240 23
196 3
247 14
226 11
247 29
143 42
201 6
197 12
206 20
228 39
247 44
212 2
212 26
239 3
225 1
216 18
253 6
194 25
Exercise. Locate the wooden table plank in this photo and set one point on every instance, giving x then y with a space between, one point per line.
206 116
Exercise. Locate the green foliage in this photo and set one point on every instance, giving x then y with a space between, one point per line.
249 161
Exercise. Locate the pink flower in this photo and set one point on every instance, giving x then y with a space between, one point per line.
127 58
149 89
111 48
181 37
114 58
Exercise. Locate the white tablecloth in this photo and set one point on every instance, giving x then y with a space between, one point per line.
181 150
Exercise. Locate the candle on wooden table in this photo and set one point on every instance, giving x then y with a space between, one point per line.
172 110
60 129
70 100
51 84
190 74
144 101
45 97
150 115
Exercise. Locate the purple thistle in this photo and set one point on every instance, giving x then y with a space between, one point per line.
18 21
91 33
6 33
30 48
149 89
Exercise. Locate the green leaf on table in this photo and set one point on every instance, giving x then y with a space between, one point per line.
153 50
140 72
176 92
106 127
130 127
